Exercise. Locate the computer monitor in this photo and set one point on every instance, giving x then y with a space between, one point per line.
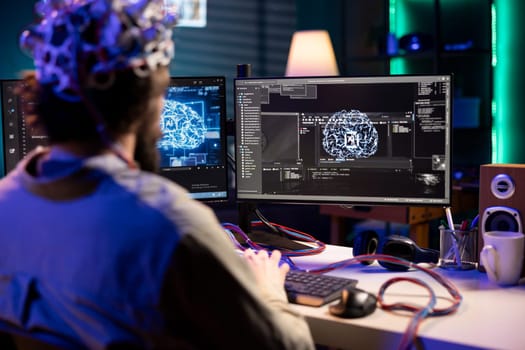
376 140
18 137
193 146
192 149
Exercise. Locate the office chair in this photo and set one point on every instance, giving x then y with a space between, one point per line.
6 341
20 341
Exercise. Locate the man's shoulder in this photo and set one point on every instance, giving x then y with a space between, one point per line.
133 179
165 195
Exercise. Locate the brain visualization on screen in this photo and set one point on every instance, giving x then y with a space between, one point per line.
356 140
193 143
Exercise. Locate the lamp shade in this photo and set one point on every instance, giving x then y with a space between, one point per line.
311 54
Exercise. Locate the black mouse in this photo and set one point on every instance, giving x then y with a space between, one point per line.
354 303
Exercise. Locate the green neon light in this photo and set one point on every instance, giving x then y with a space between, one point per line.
397 66
398 25
494 134
493 35
507 105
392 16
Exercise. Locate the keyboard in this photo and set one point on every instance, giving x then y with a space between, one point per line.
311 289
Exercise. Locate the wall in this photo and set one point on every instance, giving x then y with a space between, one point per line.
14 15
329 15
257 32
238 31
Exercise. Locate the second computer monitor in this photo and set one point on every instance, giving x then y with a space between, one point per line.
355 140
192 148
193 144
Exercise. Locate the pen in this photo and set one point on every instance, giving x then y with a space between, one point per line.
455 242
474 222
448 213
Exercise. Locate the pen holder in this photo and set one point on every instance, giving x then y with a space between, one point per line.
458 249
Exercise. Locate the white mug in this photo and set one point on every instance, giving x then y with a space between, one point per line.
502 256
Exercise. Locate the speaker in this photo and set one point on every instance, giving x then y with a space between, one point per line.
501 207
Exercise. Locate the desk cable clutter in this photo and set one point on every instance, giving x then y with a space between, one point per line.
420 312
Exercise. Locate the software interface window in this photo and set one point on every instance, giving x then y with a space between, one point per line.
19 137
193 145
336 139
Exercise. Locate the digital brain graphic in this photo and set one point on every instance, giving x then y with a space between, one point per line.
350 135
182 127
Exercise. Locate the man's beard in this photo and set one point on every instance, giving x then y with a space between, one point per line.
146 153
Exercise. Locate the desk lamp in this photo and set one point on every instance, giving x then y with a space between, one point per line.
311 54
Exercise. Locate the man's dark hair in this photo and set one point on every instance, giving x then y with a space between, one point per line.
127 101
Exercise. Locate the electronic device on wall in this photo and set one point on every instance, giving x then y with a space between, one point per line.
501 207
416 42
369 242
193 145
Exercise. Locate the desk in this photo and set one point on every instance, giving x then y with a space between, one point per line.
488 318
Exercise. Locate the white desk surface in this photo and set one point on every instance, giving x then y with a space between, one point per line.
489 317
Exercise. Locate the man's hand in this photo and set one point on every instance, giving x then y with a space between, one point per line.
268 274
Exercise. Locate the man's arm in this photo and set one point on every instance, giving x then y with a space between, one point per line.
213 293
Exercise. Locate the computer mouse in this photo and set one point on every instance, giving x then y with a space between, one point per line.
354 303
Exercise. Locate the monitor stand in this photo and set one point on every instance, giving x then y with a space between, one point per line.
271 238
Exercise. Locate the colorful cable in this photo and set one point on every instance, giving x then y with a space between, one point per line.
317 245
420 313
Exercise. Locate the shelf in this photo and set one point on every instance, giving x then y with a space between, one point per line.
423 55
464 26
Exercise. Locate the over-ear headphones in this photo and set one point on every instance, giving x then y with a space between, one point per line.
368 242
